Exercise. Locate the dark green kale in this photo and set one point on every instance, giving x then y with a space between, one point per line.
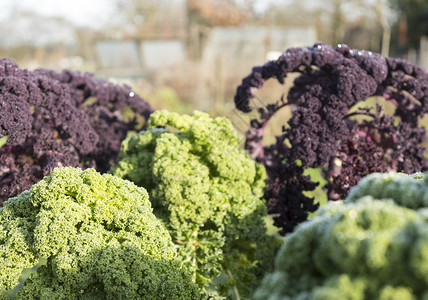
371 246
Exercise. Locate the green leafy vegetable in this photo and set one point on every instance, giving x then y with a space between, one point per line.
407 190
372 246
99 237
208 194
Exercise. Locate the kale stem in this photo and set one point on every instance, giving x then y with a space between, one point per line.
194 261
235 289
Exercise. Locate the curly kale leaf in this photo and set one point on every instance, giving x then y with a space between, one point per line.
51 119
208 193
365 248
98 236
327 130
407 190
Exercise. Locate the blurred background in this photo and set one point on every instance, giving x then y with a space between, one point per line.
192 54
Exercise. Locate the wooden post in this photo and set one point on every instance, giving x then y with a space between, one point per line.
423 53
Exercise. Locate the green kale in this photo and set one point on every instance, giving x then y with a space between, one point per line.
407 190
98 237
208 193
372 246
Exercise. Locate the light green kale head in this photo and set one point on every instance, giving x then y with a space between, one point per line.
208 193
98 237
406 190
372 246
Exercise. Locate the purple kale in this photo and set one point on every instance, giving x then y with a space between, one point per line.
327 130
66 118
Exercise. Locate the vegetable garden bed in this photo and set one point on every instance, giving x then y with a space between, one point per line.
110 199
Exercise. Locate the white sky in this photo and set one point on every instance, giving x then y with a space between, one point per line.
81 12
96 13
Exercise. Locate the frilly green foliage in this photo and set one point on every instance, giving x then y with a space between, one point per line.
372 246
99 237
407 190
208 193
